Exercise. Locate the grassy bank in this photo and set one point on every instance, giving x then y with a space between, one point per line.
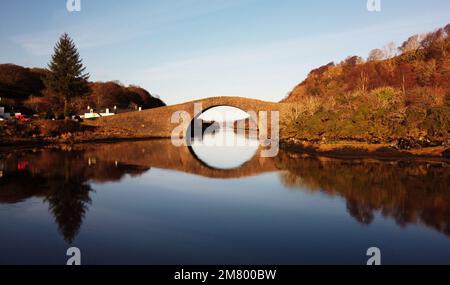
17 134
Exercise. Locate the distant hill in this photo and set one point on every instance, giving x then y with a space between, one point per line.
24 89
109 94
396 93
17 82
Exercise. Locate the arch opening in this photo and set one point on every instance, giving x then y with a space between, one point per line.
218 142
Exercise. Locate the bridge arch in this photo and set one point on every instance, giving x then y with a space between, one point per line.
249 121
157 122
222 140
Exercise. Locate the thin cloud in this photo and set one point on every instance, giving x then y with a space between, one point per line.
109 29
254 71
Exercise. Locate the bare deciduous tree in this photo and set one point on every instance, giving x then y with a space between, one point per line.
411 44
376 54
390 50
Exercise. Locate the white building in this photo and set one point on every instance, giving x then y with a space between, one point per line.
92 114
4 115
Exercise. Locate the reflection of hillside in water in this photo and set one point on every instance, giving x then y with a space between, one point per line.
409 192
61 178
414 193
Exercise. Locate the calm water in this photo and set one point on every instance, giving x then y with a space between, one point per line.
151 203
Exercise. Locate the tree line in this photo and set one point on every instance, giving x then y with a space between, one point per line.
63 88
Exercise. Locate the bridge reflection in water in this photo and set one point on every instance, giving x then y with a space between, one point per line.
224 149
407 192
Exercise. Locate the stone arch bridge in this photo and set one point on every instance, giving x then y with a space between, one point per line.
157 123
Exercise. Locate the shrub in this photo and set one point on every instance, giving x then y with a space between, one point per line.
386 98
17 129
437 121
59 127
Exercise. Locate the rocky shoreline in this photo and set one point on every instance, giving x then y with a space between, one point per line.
357 149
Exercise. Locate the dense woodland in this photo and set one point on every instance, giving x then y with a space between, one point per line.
23 90
396 93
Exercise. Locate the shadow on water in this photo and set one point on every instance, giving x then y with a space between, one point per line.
408 192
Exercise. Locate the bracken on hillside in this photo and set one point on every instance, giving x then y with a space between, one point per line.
384 99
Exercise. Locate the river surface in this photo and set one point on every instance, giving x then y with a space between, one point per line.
149 202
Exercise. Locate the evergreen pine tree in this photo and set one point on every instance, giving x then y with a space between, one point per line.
67 78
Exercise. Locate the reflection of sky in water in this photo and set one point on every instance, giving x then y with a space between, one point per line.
225 149
149 202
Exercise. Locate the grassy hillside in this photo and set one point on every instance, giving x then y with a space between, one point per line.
395 95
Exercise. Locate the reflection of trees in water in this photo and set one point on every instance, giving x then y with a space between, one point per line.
62 179
67 197
68 202
408 192
16 187
68 194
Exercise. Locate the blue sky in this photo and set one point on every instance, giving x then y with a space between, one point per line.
188 49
